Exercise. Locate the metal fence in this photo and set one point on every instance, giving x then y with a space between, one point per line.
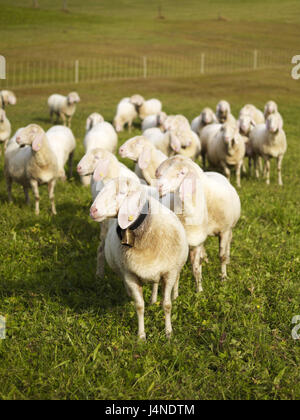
36 73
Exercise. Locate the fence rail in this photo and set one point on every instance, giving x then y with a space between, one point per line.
35 73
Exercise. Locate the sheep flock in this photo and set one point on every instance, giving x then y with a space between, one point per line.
155 218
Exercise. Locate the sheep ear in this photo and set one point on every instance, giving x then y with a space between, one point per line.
145 158
187 188
101 170
253 123
130 209
175 143
38 142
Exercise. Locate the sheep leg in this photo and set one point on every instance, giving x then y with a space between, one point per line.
26 193
69 119
100 253
154 293
35 188
9 188
203 160
267 170
129 126
255 167
196 259
71 158
64 119
250 165
227 172
175 288
51 116
136 292
238 173
279 163
224 251
51 188
169 281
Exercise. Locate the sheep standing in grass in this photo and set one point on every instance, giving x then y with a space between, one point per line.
145 108
5 129
93 119
102 135
223 113
269 141
125 114
147 243
206 117
141 150
210 207
7 97
63 143
155 120
254 113
227 148
32 164
63 106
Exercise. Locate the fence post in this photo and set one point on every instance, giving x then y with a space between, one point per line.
202 63
255 61
77 71
145 66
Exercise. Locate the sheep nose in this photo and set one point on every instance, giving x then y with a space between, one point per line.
18 140
79 168
94 211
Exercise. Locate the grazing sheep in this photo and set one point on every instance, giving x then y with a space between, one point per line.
32 165
210 207
63 106
227 148
102 135
94 119
269 141
147 243
141 150
223 113
254 113
7 97
63 143
155 120
206 117
125 114
145 108
5 129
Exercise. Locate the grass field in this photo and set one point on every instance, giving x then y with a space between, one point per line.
71 336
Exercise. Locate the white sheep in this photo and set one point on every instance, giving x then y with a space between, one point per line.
148 158
125 114
145 108
63 106
155 120
223 113
226 149
92 120
210 207
206 134
63 143
254 113
7 97
147 243
206 117
5 129
271 107
269 141
102 135
32 165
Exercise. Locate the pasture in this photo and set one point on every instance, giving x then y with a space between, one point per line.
70 336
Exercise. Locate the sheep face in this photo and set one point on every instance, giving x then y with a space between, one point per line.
32 135
137 100
93 120
172 177
230 137
73 98
161 118
88 163
273 123
270 108
246 123
207 116
12 100
133 148
223 109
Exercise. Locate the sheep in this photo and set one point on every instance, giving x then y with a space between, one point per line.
32 165
63 106
94 119
5 129
147 243
227 148
254 113
142 150
63 143
271 107
161 140
102 166
223 113
206 117
145 108
210 207
102 135
125 114
269 141
206 134
7 97
155 120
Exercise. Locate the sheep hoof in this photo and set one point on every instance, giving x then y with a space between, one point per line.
142 337
169 335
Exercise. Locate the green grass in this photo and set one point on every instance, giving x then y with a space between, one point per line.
71 336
